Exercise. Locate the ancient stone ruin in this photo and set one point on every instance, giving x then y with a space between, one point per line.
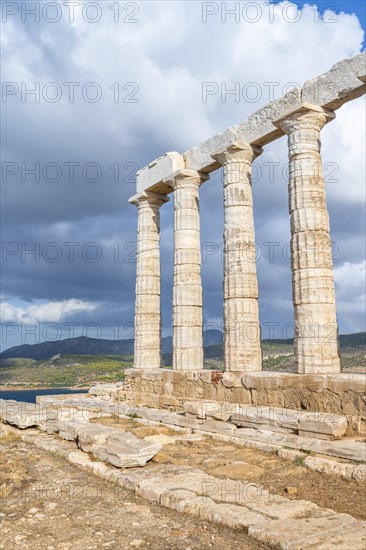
315 416
300 114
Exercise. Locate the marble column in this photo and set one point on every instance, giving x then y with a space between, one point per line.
147 308
242 346
316 328
187 287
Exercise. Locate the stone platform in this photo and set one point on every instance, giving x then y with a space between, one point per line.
339 394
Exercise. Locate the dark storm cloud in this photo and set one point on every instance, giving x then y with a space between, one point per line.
122 137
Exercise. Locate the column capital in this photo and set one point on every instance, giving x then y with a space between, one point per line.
306 115
237 151
148 198
189 177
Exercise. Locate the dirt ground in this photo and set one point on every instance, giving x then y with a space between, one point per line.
49 504
292 480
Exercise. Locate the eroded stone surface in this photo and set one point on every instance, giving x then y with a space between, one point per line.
124 450
270 518
297 534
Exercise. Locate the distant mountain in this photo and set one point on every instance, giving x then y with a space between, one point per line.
71 346
95 346
353 341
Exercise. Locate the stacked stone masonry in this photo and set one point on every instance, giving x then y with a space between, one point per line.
301 114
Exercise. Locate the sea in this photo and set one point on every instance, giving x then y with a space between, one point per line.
29 396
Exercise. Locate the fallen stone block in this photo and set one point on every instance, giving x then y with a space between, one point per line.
20 414
94 434
124 450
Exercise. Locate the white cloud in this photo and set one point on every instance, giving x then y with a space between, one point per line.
351 276
169 54
43 313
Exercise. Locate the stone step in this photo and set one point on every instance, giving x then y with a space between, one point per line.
348 449
305 423
82 409
272 519
326 532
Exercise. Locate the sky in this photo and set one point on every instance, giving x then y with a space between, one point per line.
96 90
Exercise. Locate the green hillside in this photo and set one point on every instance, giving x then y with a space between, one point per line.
79 370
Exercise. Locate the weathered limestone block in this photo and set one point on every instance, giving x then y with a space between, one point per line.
152 175
347 471
154 415
297 534
216 426
231 379
90 435
331 425
271 416
20 414
184 501
350 450
200 158
154 486
201 408
361 75
230 515
255 498
346 382
124 450
337 86
224 412
69 430
259 129
179 420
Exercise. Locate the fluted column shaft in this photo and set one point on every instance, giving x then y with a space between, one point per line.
147 309
316 328
242 347
187 287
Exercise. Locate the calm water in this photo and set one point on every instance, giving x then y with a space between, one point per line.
30 395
